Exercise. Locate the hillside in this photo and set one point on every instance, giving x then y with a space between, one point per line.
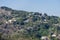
23 25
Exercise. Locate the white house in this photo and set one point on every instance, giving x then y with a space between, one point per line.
54 35
10 21
44 38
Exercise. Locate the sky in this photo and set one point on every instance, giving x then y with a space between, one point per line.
51 7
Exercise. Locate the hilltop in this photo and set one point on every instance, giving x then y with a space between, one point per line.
24 25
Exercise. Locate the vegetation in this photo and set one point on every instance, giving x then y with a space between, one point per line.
23 25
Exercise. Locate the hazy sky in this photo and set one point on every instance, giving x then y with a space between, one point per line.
51 7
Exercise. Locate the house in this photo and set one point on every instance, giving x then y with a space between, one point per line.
44 38
53 35
6 22
11 20
26 21
45 20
